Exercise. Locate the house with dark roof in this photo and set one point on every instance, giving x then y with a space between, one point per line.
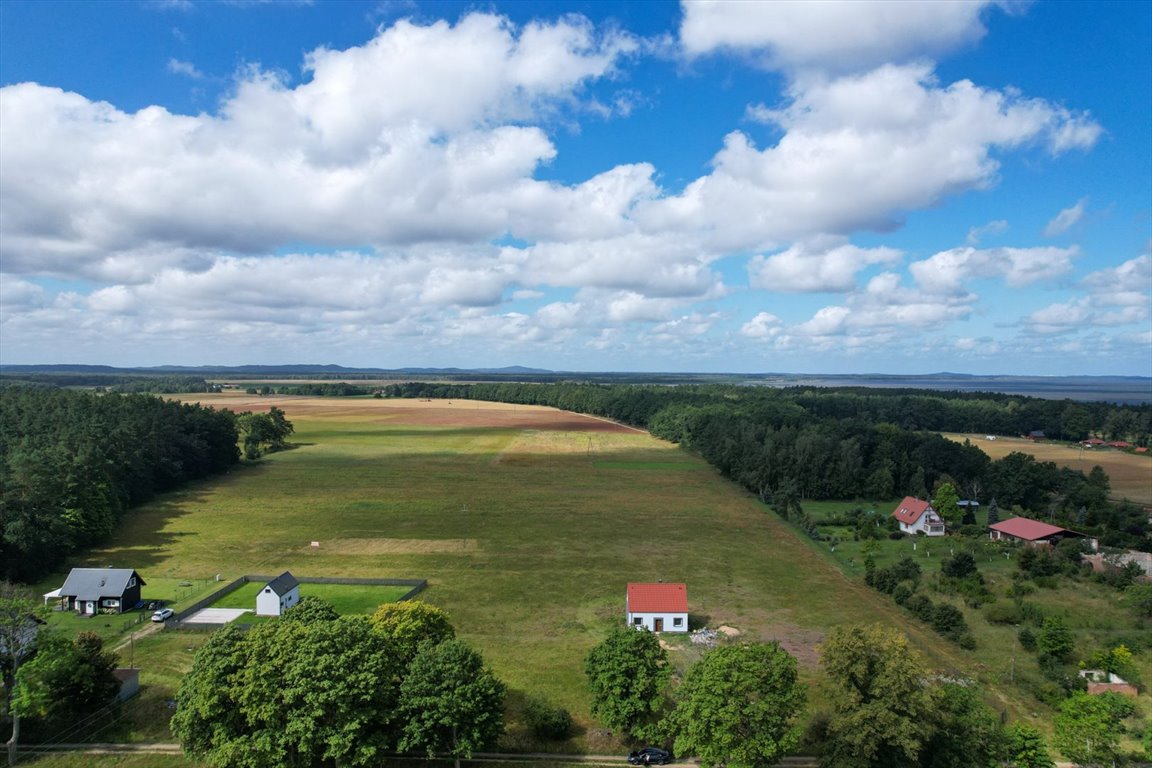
657 607
89 591
278 595
916 516
1034 532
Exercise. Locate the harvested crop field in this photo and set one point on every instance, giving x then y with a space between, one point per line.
457 414
1130 473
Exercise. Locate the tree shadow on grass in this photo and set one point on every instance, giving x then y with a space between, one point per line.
141 540
698 621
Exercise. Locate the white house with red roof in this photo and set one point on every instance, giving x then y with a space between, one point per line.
916 516
1034 532
657 607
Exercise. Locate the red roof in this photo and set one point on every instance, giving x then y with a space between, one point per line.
911 509
1027 529
657 598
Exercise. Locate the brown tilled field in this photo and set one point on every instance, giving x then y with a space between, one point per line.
458 414
1131 474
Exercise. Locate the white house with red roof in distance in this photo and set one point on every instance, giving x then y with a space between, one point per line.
657 607
916 516
1035 533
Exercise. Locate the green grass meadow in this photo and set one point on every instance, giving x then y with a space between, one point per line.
527 537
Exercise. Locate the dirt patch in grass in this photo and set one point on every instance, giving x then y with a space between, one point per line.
1129 473
798 641
397 546
458 414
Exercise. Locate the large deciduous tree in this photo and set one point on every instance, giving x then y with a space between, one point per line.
880 698
946 502
291 693
264 431
65 680
450 702
1026 748
966 733
1088 728
410 624
738 707
628 676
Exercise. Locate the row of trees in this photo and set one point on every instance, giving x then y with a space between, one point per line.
908 409
72 462
314 688
739 706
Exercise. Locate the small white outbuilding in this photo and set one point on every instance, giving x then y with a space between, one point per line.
278 595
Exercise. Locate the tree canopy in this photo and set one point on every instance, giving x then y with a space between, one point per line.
879 699
628 675
72 462
289 693
450 702
738 706
410 624
1089 728
314 689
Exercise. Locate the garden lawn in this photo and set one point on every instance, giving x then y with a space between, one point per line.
347 599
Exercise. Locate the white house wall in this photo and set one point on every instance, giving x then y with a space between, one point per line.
648 621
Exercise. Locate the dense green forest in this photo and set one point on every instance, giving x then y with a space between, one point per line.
815 443
72 462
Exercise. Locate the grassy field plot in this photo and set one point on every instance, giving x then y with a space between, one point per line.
1129 473
527 522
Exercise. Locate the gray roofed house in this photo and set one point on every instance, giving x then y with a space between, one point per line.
278 595
100 590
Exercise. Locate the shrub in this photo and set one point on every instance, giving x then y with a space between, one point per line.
882 580
1055 639
960 566
902 593
547 721
907 570
1027 639
1002 613
921 607
949 621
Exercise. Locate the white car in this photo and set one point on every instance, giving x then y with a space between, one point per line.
163 614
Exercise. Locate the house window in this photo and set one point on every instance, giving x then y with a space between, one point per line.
678 621
132 581
637 621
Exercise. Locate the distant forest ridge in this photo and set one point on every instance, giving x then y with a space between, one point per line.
1115 389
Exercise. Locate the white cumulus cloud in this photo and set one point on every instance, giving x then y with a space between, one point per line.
837 35
828 263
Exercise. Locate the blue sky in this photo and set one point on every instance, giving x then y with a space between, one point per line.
713 186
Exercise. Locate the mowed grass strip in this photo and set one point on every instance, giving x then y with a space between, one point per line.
559 521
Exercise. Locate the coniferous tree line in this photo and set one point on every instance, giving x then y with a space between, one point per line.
72 462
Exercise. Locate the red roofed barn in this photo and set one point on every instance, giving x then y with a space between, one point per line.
1034 532
917 516
657 607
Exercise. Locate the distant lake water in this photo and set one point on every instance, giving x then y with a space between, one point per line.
1127 390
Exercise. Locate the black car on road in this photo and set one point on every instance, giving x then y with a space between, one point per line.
649 756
